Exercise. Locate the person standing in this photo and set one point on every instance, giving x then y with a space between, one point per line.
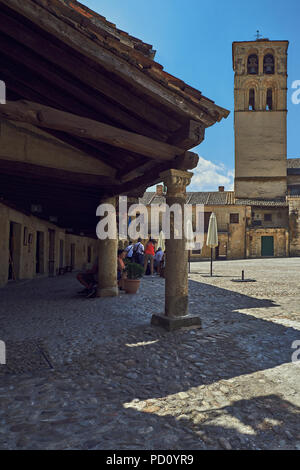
149 255
138 252
158 259
129 251
121 270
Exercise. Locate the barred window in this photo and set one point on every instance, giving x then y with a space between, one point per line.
234 218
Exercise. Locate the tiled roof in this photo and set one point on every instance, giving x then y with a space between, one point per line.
129 48
110 28
262 202
201 197
293 162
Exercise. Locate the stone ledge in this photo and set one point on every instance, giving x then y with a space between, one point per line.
175 323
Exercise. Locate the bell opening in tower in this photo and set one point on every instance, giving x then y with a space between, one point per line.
252 65
269 64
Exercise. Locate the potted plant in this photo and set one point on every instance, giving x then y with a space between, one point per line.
132 282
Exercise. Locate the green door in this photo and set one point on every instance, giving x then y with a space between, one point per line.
267 246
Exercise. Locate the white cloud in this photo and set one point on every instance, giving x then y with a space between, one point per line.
208 176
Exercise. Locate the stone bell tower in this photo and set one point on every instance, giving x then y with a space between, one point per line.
260 105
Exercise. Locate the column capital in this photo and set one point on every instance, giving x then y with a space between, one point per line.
176 181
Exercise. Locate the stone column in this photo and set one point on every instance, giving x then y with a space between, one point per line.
107 252
176 271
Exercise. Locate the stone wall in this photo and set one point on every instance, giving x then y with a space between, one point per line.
260 131
25 228
260 154
254 241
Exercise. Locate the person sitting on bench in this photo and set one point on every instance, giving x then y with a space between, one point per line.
89 279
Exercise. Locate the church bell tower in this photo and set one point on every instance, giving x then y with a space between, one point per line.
260 111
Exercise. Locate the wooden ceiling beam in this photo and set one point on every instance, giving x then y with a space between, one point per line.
90 148
71 61
112 157
52 175
50 118
82 42
189 136
81 93
187 161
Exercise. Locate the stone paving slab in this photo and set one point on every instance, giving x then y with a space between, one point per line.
120 383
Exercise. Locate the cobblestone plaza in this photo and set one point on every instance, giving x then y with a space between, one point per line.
94 374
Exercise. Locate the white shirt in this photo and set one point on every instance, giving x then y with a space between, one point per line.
139 248
159 255
129 251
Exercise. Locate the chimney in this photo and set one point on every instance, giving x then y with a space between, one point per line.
159 190
221 189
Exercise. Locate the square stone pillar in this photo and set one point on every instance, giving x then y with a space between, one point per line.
176 271
107 261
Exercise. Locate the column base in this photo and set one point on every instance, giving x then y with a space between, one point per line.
175 323
108 292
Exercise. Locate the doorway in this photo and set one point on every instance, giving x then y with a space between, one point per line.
15 232
61 254
267 246
51 258
73 254
39 252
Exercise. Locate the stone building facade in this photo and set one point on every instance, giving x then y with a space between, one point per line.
32 247
261 217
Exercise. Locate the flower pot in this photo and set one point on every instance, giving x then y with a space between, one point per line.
131 286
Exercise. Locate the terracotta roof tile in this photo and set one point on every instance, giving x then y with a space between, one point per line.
128 47
293 162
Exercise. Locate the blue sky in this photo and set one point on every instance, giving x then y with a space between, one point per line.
193 40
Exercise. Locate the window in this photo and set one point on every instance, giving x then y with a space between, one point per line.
252 64
268 217
206 220
251 99
234 218
269 99
269 64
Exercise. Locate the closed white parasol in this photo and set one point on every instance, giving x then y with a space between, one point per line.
212 236
161 241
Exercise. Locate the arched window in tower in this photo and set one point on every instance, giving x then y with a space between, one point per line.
251 106
269 64
252 65
269 106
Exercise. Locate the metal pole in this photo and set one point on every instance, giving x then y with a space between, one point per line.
211 260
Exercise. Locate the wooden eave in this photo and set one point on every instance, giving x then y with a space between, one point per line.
61 55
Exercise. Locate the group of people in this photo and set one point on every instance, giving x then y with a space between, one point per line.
134 252
144 255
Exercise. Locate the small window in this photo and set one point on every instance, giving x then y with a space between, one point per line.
252 65
269 99
234 218
268 217
251 99
206 220
269 64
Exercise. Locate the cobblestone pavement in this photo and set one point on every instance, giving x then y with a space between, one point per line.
93 374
